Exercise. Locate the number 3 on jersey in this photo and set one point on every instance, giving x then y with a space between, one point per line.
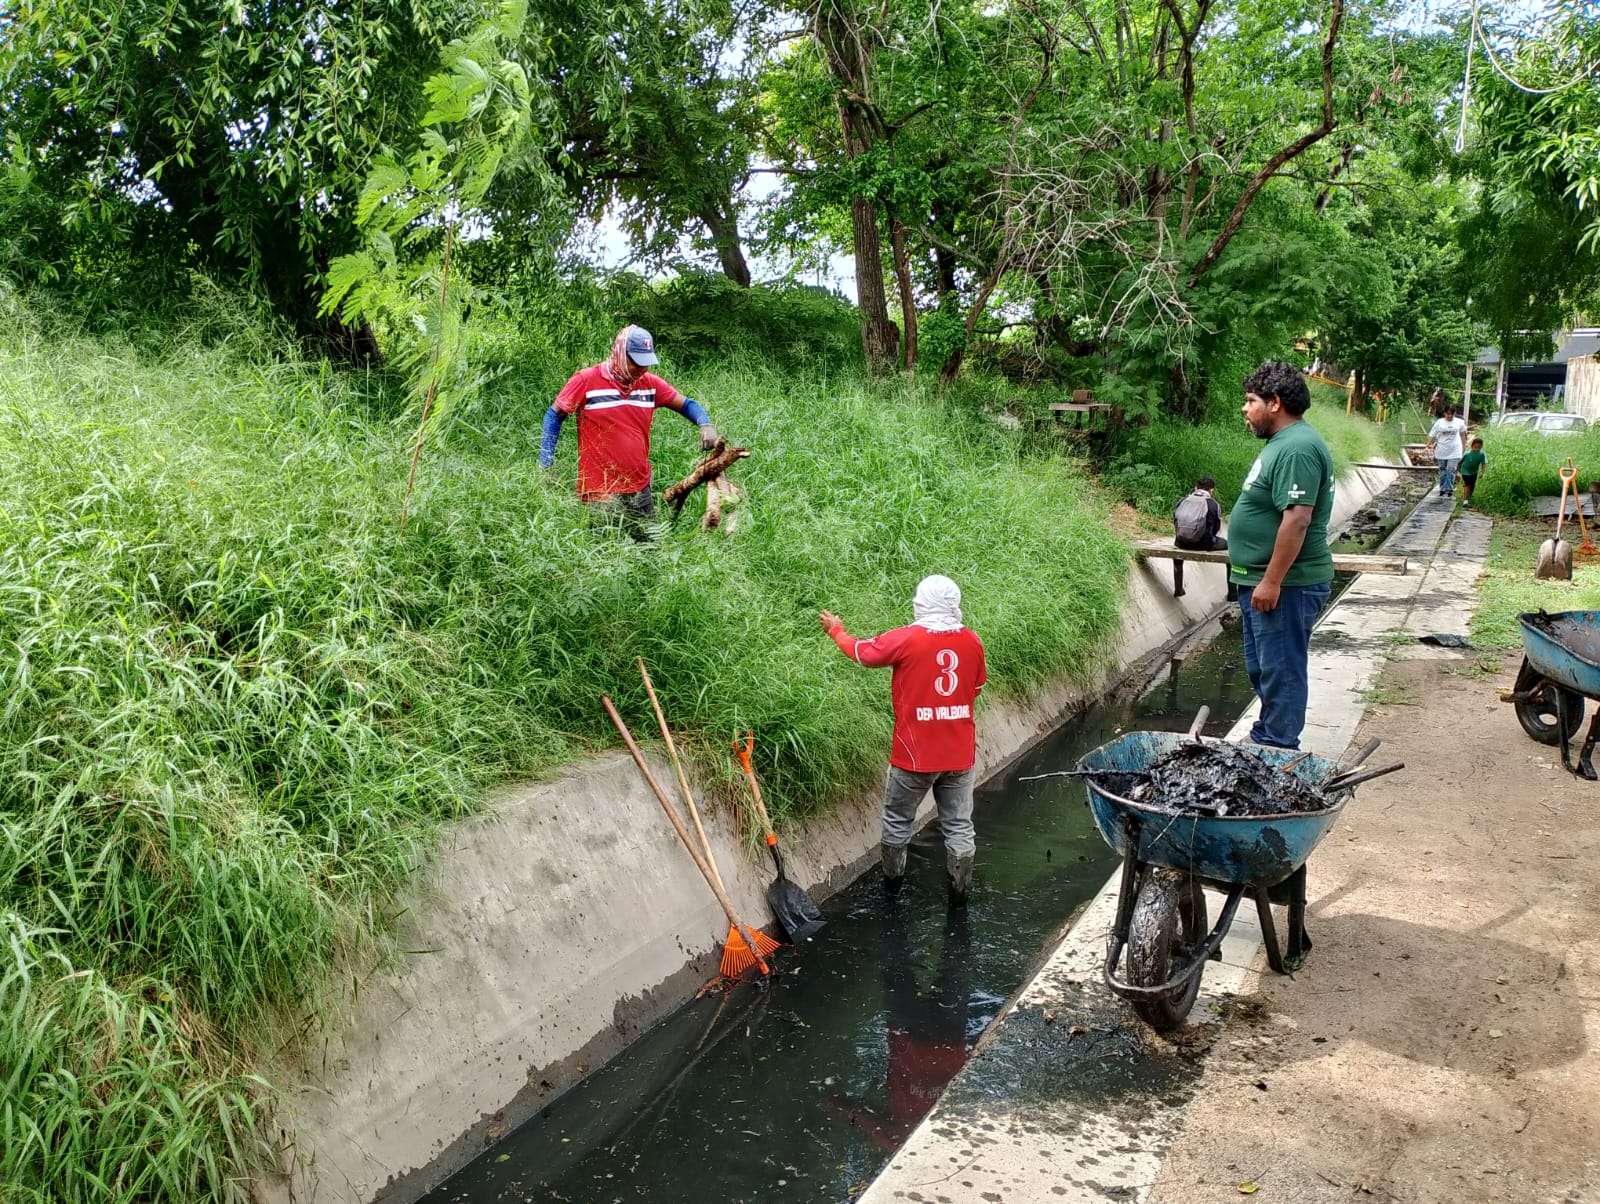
945 684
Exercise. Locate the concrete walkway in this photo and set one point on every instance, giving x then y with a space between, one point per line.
1068 1098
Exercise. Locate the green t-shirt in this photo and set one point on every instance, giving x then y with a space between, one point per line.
1294 469
1472 463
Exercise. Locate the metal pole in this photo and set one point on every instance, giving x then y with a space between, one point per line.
1466 396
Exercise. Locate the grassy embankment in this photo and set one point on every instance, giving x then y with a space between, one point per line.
237 704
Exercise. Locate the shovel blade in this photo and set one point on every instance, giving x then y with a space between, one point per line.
1555 561
800 918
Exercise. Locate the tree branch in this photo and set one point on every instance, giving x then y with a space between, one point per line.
1272 165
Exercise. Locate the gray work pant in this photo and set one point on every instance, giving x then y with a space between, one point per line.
952 791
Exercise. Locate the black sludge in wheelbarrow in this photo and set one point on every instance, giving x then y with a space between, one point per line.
1224 779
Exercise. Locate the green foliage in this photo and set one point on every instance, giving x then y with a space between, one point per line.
1401 319
703 317
1524 465
236 706
177 135
477 117
1532 243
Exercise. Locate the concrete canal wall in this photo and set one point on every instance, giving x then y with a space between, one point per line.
550 931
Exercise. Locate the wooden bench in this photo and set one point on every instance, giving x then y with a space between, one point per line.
1086 417
1343 562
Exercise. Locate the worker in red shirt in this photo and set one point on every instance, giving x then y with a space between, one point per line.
938 672
615 403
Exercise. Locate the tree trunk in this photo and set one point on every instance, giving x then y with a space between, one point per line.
880 339
724 231
1360 402
908 296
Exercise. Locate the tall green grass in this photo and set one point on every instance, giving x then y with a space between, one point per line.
236 704
1524 465
1155 465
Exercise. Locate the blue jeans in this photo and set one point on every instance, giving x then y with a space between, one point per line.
1447 475
1277 646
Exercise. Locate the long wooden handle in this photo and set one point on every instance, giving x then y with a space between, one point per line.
672 814
743 753
683 781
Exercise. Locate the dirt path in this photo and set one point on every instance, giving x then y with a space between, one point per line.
1441 1045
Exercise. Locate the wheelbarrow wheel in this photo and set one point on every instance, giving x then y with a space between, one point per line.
1168 925
1538 714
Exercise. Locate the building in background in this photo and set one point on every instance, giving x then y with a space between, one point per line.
1569 380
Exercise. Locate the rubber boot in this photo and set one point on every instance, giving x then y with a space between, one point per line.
893 857
959 871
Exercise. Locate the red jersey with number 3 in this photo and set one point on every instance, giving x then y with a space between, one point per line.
937 676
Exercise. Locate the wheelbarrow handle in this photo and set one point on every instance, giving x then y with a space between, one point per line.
1355 762
1344 781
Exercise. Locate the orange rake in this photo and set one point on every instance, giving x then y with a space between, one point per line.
734 960
745 946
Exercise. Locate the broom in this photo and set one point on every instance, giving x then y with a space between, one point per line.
738 952
751 948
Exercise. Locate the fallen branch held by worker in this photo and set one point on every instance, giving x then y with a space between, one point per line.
709 472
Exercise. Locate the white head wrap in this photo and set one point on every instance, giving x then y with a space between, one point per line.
937 604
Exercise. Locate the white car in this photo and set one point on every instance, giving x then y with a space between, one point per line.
1546 422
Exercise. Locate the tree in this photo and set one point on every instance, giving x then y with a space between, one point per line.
1399 319
230 139
1531 241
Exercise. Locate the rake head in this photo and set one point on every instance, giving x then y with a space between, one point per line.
737 956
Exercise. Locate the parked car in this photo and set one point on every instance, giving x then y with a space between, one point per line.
1546 422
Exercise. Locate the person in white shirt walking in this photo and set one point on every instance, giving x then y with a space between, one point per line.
1445 440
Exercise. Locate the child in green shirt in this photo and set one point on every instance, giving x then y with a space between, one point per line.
1472 464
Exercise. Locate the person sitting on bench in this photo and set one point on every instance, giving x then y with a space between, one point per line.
1196 524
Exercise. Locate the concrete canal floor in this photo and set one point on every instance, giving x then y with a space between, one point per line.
1440 1044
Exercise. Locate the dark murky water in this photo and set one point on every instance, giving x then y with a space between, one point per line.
802 1091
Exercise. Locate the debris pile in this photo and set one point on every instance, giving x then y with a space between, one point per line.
1223 779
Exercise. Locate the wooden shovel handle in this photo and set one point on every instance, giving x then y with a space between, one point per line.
683 833
683 781
742 751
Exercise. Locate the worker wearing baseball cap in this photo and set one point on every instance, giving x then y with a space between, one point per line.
615 403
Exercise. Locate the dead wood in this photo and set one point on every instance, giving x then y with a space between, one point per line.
712 464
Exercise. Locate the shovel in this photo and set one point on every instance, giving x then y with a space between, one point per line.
1555 555
791 906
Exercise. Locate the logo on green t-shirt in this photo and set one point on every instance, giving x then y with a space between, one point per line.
1294 469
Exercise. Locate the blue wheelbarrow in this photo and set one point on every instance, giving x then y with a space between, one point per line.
1560 668
1169 856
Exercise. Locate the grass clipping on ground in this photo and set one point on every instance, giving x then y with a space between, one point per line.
237 704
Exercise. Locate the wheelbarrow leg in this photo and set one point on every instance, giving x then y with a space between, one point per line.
1299 938
1584 768
1269 931
1585 765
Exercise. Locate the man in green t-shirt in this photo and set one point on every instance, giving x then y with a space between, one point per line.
1278 548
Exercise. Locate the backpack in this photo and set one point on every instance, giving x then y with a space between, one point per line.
1190 519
